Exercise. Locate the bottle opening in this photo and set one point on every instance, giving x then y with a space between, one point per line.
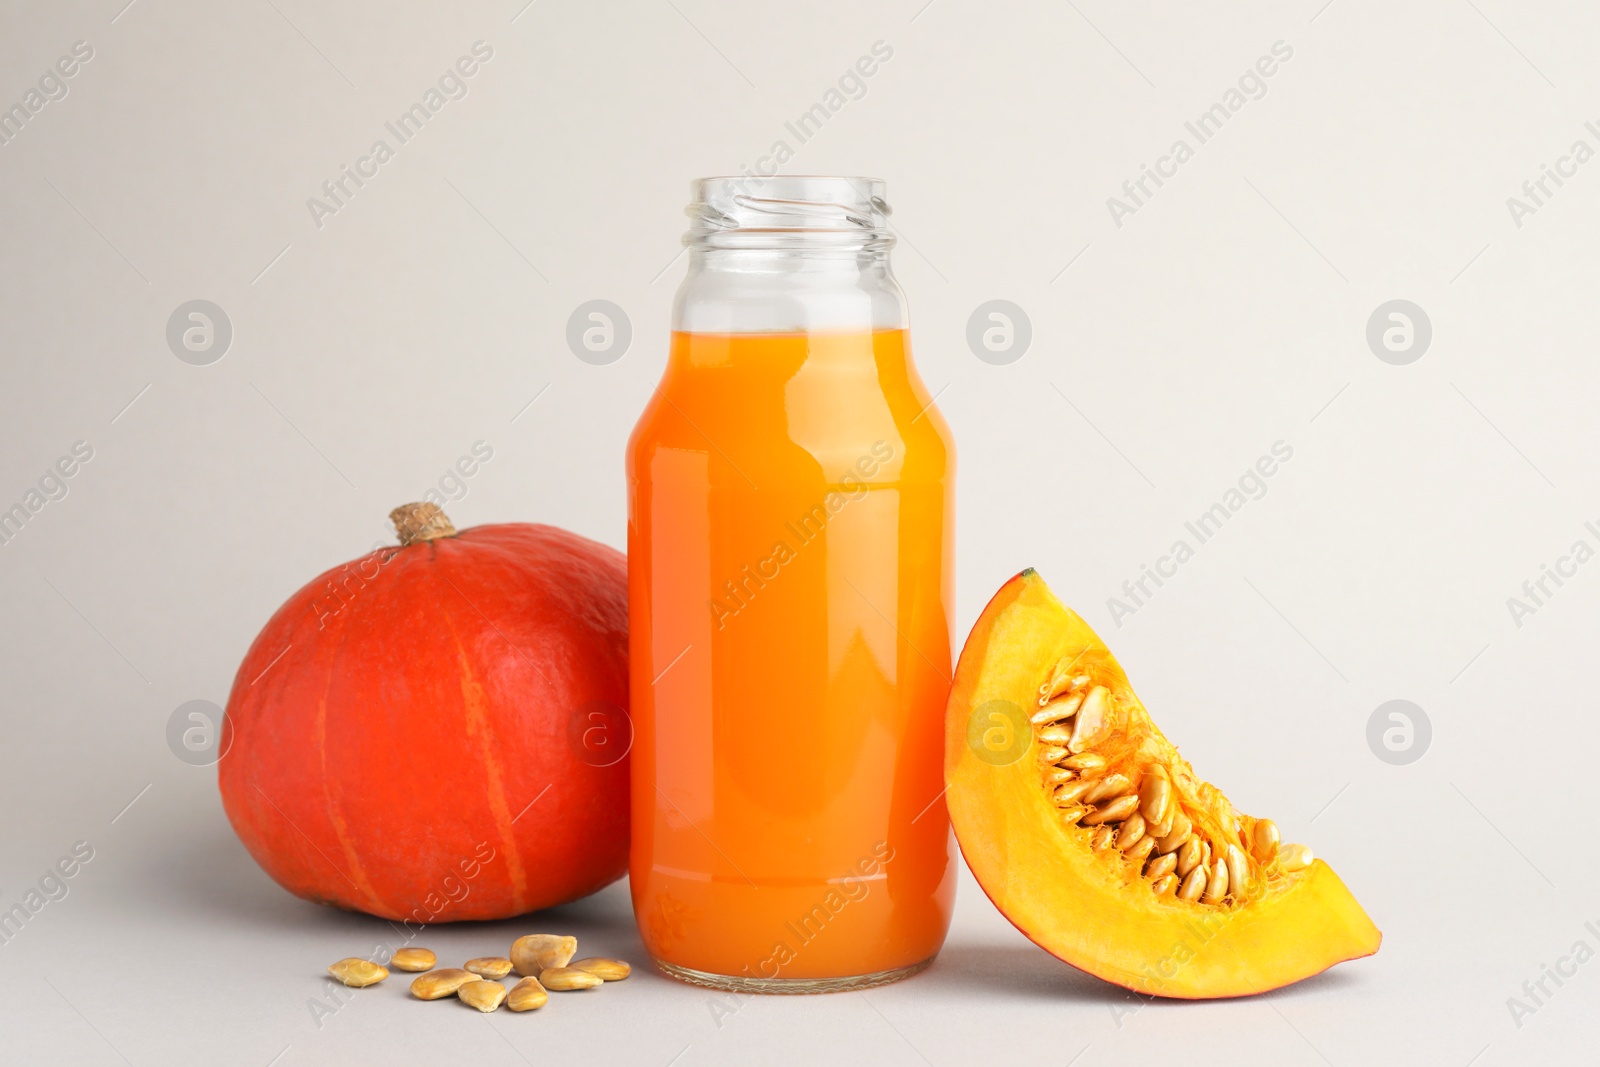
788 211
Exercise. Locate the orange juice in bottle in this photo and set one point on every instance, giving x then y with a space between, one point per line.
789 554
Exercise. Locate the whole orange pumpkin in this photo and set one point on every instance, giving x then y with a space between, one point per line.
436 731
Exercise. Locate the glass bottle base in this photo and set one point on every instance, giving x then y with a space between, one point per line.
788 986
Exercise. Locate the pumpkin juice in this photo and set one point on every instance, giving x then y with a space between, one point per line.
788 595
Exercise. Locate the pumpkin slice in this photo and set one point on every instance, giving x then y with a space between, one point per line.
1094 836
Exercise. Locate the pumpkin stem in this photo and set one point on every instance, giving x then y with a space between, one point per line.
420 522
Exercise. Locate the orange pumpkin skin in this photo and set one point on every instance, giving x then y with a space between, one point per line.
433 732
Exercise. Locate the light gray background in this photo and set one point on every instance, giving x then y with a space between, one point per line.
1227 313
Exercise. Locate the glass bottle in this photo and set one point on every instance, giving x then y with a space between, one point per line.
790 570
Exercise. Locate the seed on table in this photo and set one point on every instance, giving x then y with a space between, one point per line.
562 979
539 952
356 972
435 985
527 995
489 966
414 959
602 967
482 994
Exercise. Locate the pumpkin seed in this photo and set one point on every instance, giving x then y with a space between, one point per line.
436 985
561 979
1141 850
1264 840
1116 811
1217 883
1295 857
602 967
1071 792
489 966
1112 785
1058 710
1238 871
1180 833
1155 793
536 953
1085 763
1055 735
356 972
1190 854
1193 885
527 995
482 994
414 959
1090 722
1058 684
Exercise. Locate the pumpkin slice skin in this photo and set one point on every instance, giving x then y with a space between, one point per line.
1091 909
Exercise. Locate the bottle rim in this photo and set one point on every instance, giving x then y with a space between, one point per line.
789 212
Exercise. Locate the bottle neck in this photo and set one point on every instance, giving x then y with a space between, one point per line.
788 255
788 291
